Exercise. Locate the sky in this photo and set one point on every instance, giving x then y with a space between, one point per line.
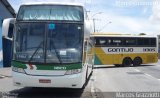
117 16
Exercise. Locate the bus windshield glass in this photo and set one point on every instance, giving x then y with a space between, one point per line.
50 12
48 42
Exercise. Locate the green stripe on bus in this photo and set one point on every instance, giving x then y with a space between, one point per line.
59 67
49 67
19 65
97 61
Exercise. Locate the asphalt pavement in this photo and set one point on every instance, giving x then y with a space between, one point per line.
110 80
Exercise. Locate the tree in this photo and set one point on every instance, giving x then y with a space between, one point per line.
142 33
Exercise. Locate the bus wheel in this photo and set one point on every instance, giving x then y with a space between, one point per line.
118 65
137 61
127 62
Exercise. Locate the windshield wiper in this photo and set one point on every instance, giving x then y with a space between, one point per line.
35 52
58 56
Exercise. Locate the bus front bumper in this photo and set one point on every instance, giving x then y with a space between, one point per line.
66 81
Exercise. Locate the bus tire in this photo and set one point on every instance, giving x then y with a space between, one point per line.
127 62
117 65
137 61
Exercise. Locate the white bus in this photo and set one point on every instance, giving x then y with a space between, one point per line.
51 45
125 50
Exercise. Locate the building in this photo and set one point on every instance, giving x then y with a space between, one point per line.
6 11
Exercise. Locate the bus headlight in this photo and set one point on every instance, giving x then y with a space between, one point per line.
74 71
16 69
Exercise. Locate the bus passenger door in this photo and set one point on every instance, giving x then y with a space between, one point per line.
7 36
90 56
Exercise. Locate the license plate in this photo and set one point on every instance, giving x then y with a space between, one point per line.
44 81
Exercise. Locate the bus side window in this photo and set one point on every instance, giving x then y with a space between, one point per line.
102 42
146 42
108 42
96 42
140 42
130 42
116 42
153 42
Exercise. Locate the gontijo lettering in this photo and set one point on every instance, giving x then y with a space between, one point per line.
120 49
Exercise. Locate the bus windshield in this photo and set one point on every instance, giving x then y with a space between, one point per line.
48 42
50 12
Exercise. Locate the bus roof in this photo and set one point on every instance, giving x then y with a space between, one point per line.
53 3
118 35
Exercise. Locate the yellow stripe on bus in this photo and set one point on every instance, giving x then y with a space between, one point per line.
118 58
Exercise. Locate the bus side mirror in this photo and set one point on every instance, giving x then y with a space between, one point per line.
7 28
